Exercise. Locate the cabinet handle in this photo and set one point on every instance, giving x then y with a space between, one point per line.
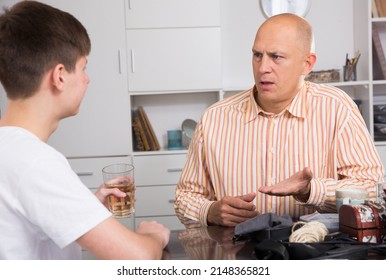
132 61
172 200
129 4
119 62
174 170
84 173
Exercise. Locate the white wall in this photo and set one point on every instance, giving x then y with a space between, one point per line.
333 28
239 22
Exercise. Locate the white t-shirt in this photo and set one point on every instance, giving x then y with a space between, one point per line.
44 207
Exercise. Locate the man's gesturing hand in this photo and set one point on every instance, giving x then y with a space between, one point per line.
231 211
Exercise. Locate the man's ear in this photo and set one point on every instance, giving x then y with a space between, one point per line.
309 63
58 77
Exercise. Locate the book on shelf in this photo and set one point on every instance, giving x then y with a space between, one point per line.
137 141
378 55
143 135
149 129
141 130
378 8
374 9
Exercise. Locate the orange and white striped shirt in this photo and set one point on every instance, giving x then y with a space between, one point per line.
237 148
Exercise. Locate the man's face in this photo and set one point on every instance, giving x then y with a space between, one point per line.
279 64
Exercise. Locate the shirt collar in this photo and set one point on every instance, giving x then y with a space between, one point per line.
297 108
250 107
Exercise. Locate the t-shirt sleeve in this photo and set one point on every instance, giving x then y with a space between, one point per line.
56 202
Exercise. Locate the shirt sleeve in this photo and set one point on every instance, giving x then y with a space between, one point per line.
355 164
194 192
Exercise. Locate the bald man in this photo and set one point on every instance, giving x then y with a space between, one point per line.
284 146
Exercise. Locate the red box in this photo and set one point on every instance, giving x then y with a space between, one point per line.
365 222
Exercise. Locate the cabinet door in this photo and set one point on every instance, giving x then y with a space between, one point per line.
174 59
172 13
101 127
3 101
158 170
3 95
89 170
155 201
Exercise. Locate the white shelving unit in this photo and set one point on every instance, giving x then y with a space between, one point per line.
377 87
174 62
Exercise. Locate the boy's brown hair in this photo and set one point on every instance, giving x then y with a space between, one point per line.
34 37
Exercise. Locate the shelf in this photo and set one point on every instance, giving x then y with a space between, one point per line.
141 93
161 152
168 110
351 83
379 19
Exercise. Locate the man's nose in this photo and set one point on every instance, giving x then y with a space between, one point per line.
264 65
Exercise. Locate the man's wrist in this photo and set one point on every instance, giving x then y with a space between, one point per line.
209 220
205 213
304 197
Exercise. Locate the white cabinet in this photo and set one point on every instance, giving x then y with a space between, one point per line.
174 72
161 199
167 110
3 96
158 169
172 13
176 59
173 45
156 203
3 101
156 179
378 83
99 128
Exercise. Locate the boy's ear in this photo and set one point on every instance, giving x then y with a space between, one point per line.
58 76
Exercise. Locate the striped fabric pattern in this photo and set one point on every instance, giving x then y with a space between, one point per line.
238 148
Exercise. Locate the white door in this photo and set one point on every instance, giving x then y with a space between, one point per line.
174 59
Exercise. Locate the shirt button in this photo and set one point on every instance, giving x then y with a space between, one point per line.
272 150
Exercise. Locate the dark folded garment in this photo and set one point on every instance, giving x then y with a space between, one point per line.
266 226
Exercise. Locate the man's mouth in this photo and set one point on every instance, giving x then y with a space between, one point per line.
266 83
